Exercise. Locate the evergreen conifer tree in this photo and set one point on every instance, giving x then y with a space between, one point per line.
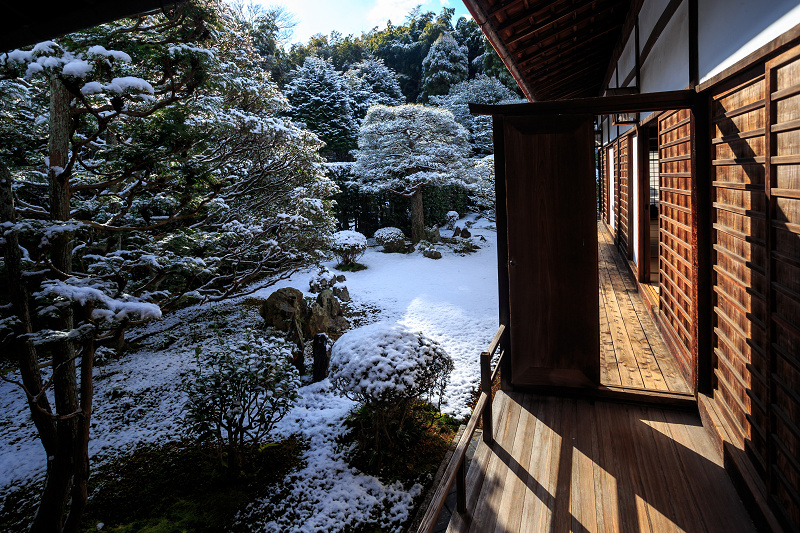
444 66
321 99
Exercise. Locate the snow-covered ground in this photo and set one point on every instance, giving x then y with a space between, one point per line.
138 399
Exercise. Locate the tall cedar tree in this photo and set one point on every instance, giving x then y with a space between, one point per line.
444 66
321 100
145 170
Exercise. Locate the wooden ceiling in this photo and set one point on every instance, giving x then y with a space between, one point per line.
28 22
555 49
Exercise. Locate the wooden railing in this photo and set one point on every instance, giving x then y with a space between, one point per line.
456 468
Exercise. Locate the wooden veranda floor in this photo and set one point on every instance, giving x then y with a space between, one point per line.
565 464
632 351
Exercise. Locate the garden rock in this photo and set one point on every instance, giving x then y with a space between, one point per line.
318 321
341 292
433 234
465 234
325 279
338 325
457 232
431 253
329 303
282 308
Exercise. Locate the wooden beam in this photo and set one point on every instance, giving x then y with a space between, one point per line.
526 15
501 222
598 105
33 22
589 19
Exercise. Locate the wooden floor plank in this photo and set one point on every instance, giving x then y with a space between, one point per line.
539 504
497 470
584 499
725 511
628 368
605 478
577 465
634 336
649 464
518 481
475 475
562 517
687 516
609 367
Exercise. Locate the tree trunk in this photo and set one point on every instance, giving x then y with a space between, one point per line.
26 354
60 465
417 216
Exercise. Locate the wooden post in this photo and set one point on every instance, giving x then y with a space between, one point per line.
486 386
461 487
321 359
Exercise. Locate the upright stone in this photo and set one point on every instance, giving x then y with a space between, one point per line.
321 358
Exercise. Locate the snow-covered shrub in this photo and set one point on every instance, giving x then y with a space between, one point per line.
452 218
348 246
393 373
392 239
324 279
238 392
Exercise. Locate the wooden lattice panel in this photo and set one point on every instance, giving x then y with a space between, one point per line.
675 257
783 273
624 193
604 184
739 258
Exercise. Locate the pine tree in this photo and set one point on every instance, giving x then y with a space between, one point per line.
445 65
321 100
401 149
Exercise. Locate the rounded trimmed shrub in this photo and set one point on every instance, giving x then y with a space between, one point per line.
393 373
348 246
392 239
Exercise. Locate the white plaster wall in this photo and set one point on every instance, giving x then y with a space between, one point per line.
732 29
666 68
627 60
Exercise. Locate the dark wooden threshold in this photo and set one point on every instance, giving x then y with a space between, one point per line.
632 395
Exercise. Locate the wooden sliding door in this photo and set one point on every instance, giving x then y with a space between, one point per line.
552 251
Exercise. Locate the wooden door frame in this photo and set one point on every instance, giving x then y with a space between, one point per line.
698 104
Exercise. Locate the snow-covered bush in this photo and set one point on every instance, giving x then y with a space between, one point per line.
238 393
393 373
392 239
348 246
452 218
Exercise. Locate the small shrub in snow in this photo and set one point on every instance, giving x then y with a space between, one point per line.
348 246
238 393
452 218
392 372
392 239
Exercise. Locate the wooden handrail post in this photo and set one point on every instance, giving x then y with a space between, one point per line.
486 387
461 487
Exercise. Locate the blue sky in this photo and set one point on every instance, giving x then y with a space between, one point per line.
354 16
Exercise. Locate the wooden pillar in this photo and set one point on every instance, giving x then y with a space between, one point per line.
701 244
501 221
